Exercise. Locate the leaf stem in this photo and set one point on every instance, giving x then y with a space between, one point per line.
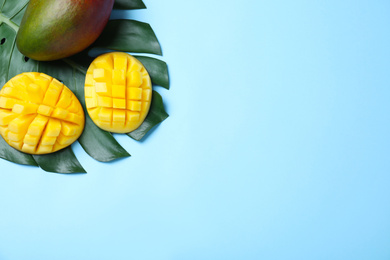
6 20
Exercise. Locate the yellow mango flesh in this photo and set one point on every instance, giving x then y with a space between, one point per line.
39 114
118 92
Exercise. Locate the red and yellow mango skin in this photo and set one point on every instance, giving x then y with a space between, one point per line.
56 29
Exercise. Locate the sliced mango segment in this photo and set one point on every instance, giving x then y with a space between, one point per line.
39 114
118 92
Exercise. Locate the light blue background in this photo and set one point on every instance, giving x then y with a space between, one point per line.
277 146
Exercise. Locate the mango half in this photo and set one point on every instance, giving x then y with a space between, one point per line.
55 29
38 114
118 92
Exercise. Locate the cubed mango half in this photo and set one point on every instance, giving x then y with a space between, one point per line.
118 92
39 114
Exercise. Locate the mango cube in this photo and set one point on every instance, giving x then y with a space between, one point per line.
147 95
6 116
119 115
105 114
89 80
43 149
60 113
135 93
7 103
31 139
134 79
99 74
119 103
104 101
51 97
53 128
20 124
27 148
26 108
118 77
45 110
65 98
120 61
134 105
101 87
132 116
48 140
15 136
88 91
118 91
37 125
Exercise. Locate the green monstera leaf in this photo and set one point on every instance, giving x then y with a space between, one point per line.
119 35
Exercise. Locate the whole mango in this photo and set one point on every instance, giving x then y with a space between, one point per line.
56 29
